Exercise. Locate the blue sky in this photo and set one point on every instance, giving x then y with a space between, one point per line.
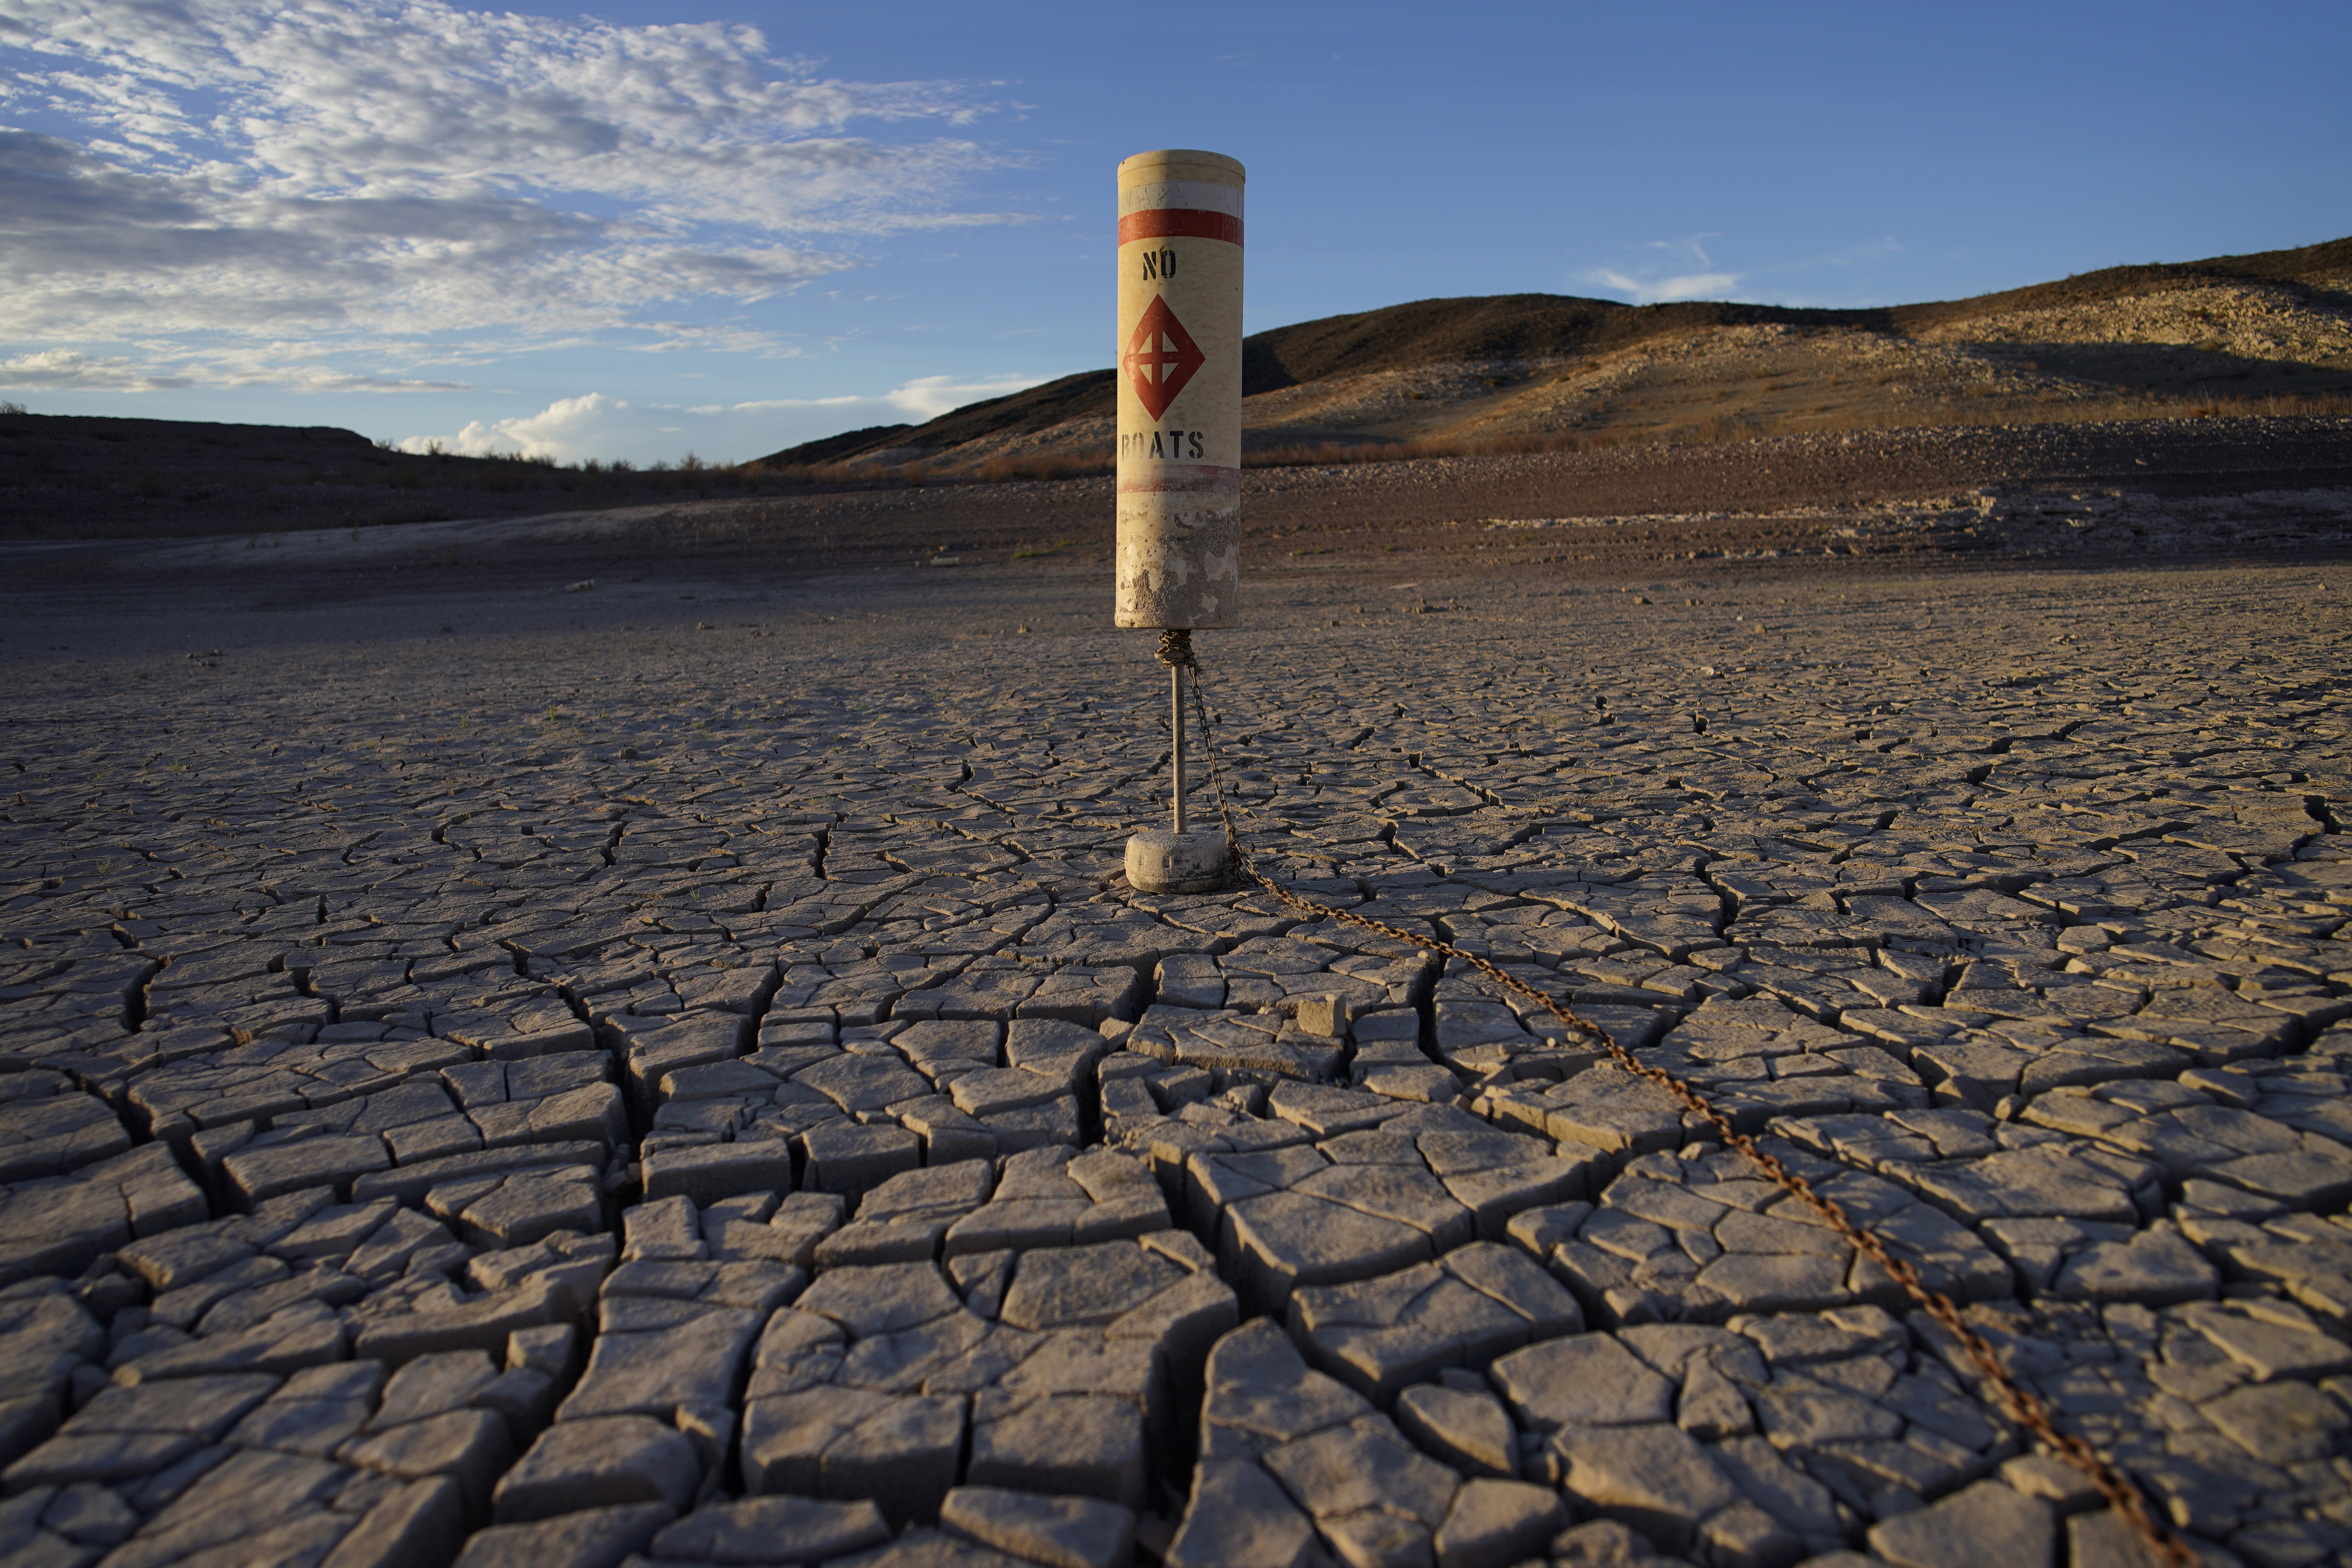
732 226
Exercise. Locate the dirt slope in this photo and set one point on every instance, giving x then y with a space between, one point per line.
2274 324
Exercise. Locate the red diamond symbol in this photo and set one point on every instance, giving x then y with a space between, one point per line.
1161 357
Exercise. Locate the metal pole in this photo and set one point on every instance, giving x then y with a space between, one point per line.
1176 723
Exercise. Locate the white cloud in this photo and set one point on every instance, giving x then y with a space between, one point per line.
567 430
1662 285
378 174
69 370
928 397
165 369
1649 289
1659 290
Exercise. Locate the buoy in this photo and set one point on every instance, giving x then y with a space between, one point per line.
1177 562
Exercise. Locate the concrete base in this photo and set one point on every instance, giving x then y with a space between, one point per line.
1159 861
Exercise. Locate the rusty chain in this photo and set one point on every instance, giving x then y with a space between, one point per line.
2023 1406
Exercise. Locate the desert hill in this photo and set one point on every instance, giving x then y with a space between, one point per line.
2240 329
82 477
2126 349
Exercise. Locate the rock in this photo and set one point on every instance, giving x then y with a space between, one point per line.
593 1537
90 1514
704 1175
904 1457
1748 1535
1582 1380
286 1342
48 1129
1086 1286
485 1324
1712 1407
1986 1522
1783 1490
432 1385
2055 1481
881 1300
521 1208
2269 1348
1055 1531
2106 1539
470 1446
1238 1517
1057 1197
1605 1543
2279 1422
849 1160
901 1452
1652 1477
771 1529
58 1225
264 1171
1088 1445
45 1338
419 1525
698 1361
577 1465
1469 1431
663 1228
1379 1334
2155 1267
1496 1523
1660 1247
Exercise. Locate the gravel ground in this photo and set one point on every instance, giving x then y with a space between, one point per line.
675 1067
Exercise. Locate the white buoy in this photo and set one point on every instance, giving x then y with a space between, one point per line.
1180 445
1179 390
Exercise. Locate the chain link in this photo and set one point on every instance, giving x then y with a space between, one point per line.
2021 1406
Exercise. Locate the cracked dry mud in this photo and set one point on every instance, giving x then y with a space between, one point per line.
684 1096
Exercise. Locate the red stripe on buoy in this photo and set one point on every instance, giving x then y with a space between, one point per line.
1180 223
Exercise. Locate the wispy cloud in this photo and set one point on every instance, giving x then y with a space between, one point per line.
928 397
380 175
1661 283
1659 290
164 369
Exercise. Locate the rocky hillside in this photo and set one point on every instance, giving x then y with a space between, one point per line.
2271 332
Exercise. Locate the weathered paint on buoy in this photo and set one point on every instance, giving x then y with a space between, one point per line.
1179 390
